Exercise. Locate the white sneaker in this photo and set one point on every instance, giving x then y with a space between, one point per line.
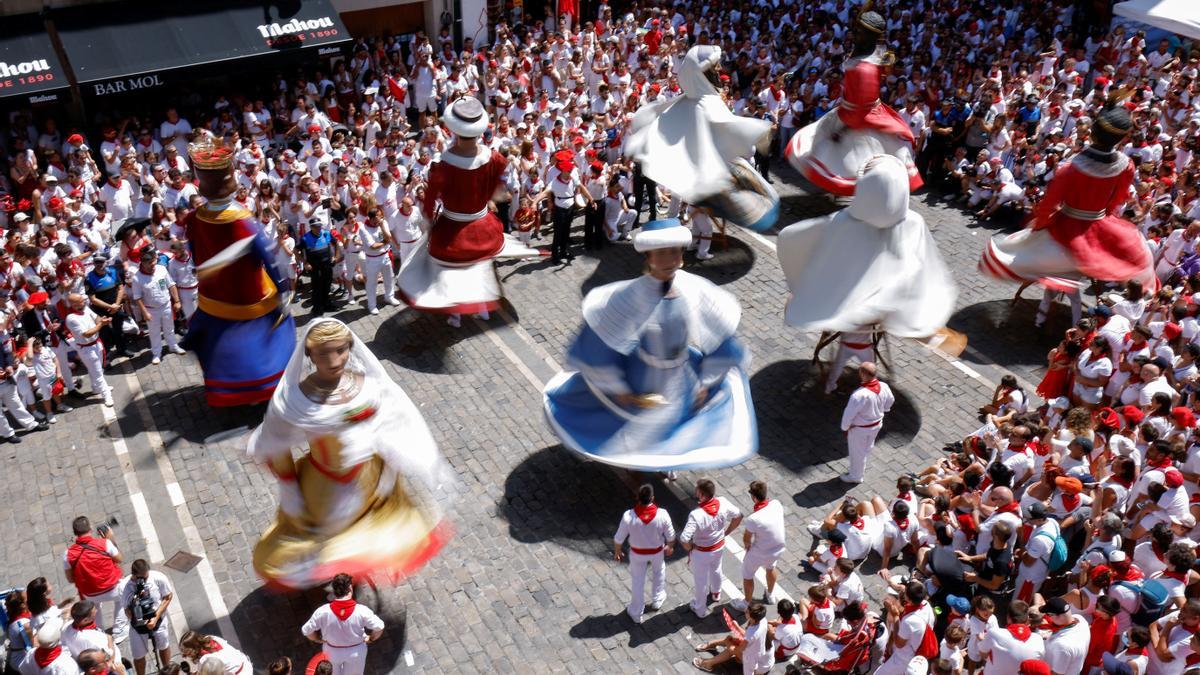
108 401
178 350
52 419
374 311
704 256
845 478
155 361
814 528
768 598
393 302
635 619
655 606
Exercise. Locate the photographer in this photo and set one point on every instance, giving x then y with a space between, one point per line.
146 596
93 564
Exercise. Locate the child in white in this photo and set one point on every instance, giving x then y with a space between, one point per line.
46 373
183 273
618 217
702 229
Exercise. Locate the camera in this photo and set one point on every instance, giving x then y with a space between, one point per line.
106 526
143 606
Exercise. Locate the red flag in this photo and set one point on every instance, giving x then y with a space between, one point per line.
570 8
396 90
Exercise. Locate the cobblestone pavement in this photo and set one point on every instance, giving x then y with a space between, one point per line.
527 584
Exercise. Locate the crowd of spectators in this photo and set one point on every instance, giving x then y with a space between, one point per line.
1074 520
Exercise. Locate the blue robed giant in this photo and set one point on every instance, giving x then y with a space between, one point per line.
656 379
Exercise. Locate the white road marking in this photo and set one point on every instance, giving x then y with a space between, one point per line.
191 533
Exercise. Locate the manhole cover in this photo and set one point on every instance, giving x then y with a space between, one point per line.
183 561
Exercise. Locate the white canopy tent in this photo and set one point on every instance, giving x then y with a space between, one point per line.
1178 16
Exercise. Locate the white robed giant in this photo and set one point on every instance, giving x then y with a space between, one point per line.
873 263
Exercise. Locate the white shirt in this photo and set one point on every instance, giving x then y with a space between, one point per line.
1067 647
337 633
911 628
766 524
757 656
119 199
78 641
1007 652
80 322
157 585
703 530
646 536
154 289
406 228
370 235
183 273
1180 645
63 665
235 662
866 408
787 637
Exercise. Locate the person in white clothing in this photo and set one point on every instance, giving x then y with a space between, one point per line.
1034 565
1069 638
153 291
764 540
1174 634
651 536
405 229
910 622
753 649
85 328
702 229
146 596
863 418
1004 650
618 217
344 628
856 345
82 634
183 273
49 658
375 241
204 649
703 537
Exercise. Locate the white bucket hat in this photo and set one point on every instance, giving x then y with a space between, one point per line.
466 118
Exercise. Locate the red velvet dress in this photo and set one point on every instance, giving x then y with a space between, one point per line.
861 108
1080 210
464 191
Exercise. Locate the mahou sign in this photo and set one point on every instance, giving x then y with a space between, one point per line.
28 64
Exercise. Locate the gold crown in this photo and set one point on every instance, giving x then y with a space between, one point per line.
208 155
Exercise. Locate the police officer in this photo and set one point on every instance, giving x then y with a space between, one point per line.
318 248
106 293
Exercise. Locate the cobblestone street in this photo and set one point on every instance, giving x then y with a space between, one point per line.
527 584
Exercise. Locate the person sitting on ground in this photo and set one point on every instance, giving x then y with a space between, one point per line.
738 648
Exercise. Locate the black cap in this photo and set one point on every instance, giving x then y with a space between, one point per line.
1055 606
1036 511
836 536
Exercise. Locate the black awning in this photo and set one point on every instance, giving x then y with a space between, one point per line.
29 65
127 46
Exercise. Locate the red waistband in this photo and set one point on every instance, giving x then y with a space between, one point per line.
646 551
708 549
866 426
87 344
187 288
858 345
380 255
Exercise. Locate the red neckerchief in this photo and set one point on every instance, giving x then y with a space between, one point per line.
909 609
1054 628
342 609
711 506
1071 502
902 524
904 496
645 513
777 93
1163 463
1135 651
541 141
45 655
1020 631
1011 507
213 647
23 615
1131 573
824 604
761 505
1178 576
872 385
937 517
836 550
859 524
91 625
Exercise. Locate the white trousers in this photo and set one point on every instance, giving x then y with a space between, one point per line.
373 268
353 261
347 660
844 354
861 442
111 613
189 300
93 359
11 401
1048 297
25 386
703 229
160 322
64 365
620 226
403 249
706 577
638 565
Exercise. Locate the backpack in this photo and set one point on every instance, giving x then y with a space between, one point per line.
1152 600
1058 554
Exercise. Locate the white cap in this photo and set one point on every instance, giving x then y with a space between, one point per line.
50 634
49 221
1116 556
20 217
1187 520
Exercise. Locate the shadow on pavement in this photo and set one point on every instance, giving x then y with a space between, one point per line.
268 624
1007 336
553 496
420 341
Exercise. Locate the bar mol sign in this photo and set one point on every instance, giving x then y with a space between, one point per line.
127 84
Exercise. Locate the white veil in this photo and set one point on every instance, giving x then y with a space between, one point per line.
396 431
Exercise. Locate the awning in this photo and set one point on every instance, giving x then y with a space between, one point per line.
1178 16
127 46
28 64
